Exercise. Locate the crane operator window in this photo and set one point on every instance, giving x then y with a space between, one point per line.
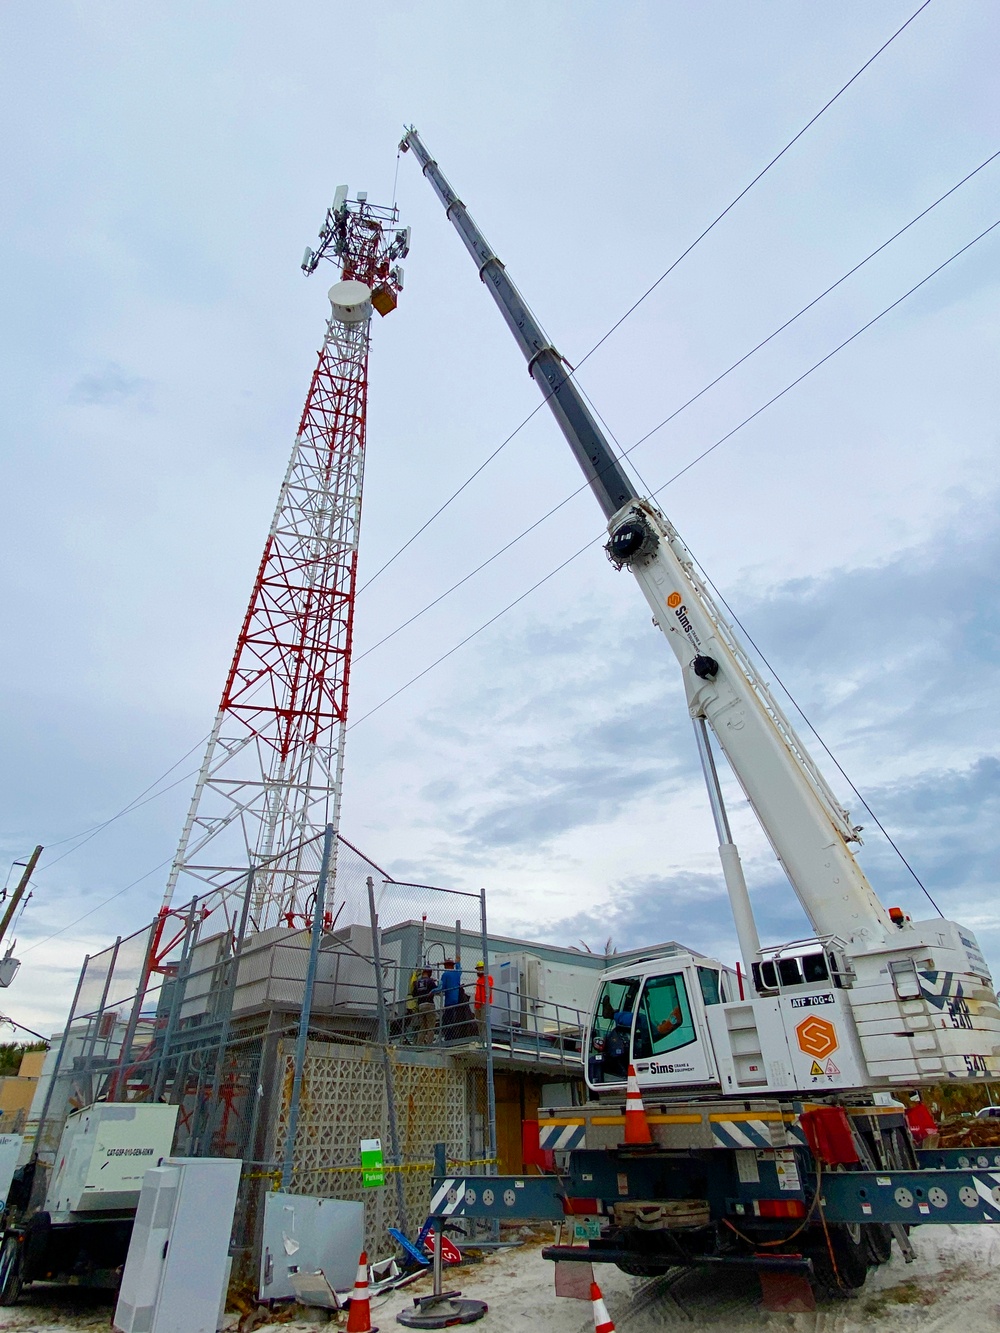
610 1032
664 1021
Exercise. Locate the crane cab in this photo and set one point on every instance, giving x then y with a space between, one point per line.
653 1015
682 1021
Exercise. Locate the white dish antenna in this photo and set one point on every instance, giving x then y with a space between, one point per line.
351 301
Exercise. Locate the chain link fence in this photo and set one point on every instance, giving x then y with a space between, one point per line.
287 1046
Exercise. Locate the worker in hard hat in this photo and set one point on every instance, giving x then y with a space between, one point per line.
482 1000
422 991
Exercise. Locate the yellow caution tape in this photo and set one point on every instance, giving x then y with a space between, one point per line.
387 1168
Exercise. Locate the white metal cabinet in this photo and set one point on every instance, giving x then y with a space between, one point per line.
304 1233
178 1259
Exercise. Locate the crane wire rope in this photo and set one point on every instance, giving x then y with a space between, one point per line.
395 177
648 292
704 454
798 707
593 542
626 453
826 749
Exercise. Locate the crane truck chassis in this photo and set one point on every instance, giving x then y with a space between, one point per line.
687 1201
776 1141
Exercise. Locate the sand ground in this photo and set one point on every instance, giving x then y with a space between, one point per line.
952 1287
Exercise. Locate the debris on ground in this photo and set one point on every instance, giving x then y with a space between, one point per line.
952 1287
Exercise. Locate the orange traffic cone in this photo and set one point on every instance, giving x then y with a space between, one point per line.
359 1316
602 1320
636 1124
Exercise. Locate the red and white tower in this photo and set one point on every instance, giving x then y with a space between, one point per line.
273 770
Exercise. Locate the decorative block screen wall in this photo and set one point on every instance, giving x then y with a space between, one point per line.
344 1100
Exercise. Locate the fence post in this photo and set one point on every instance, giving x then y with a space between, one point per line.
491 1099
228 998
180 985
118 1086
55 1068
92 1039
306 1013
390 1090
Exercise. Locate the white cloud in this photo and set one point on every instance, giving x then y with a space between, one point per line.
166 170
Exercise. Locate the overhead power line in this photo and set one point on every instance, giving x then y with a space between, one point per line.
436 601
593 542
686 468
135 804
648 292
576 554
96 908
86 834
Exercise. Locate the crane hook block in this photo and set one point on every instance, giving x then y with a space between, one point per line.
705 668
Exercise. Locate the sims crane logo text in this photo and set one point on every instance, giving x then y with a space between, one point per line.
676 605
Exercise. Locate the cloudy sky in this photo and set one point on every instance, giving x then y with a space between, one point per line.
165 167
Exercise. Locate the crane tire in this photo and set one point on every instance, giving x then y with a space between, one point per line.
878 1243
11 1269
636 1268
850 1255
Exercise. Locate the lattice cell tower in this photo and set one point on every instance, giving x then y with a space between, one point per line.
273 770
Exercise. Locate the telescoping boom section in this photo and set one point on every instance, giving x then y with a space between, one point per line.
874 999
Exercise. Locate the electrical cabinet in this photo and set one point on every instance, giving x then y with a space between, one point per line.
178 1260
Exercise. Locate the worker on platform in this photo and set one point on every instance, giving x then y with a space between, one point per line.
450 984
482 999
423 991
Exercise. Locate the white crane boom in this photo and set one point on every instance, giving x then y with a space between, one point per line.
875 1000
807 827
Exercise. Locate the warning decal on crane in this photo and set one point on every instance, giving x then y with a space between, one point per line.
817 1037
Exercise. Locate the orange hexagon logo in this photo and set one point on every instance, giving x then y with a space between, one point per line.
817 1037
674 599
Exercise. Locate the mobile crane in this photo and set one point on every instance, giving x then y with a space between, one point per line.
740 1061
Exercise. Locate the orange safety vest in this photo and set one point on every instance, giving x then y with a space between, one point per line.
481 1000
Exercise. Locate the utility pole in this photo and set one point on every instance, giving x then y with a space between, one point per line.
19 892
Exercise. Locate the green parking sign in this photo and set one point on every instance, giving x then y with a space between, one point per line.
372 1167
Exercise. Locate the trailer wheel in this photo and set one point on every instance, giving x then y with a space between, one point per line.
11 1270
878 1243
636 1268
850 1255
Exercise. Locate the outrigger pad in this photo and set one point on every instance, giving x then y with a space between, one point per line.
441 1311
786 1293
